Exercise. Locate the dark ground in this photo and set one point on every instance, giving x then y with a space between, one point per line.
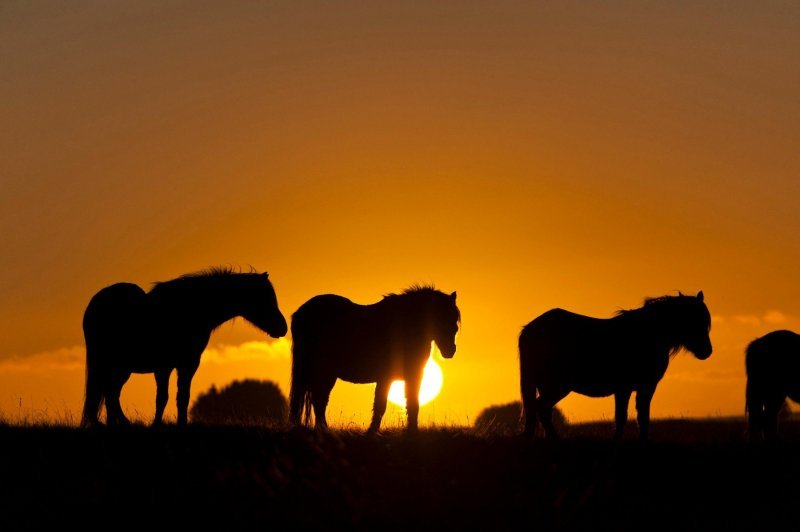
695 475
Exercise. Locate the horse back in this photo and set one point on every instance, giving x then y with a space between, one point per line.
356 342
116 304
562 328
113 322
774 356
319 313
592 356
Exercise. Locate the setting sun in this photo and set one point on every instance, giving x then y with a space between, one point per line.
431 385
456 165
233 230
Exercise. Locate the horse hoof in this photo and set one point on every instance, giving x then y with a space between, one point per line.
89 423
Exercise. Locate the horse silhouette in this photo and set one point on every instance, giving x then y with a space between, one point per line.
561 352
130 331
336 338
773 374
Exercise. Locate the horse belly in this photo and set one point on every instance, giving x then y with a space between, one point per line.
592 376
357 378
148 362
157 353
368 366
595 389
368 373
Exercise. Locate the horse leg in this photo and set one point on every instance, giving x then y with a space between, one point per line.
114 414
754 406
413 383
96 387
529 410
185 376
320 394
772 408
755 418
621 400
379 406
544 408
643 398
162 394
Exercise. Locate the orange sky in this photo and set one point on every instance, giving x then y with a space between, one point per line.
579 155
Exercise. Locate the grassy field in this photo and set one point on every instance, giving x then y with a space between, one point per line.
695 475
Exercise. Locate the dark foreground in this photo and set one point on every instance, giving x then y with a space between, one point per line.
693 476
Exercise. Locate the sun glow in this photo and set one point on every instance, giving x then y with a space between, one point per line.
432 380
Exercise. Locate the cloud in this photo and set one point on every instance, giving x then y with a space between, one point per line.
64 359
748 319
73 358
702 376
280 349
771 317
775 316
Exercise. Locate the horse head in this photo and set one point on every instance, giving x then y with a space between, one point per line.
445 320
262 306
695 325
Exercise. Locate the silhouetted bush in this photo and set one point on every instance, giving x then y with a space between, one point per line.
506 419
242 402
785 412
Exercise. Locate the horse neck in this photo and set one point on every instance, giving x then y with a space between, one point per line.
215 303
411 317
660 321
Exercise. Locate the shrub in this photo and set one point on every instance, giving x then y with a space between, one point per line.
242 402
506 419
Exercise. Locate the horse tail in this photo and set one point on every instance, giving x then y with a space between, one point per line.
94 395
749 397
755 356
110 318
299 396
527 383
299 392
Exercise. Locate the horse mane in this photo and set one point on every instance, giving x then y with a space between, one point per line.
418 288
212 273
656 304
419 291
650 302
413 289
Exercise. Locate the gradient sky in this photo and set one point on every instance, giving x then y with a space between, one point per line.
527 155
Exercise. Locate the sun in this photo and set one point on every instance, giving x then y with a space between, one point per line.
432 380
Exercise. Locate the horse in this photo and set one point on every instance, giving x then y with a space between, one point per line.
772 363
562 352
334 338
128 330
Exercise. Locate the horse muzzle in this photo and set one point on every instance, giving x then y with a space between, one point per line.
702 354
448 352
278 330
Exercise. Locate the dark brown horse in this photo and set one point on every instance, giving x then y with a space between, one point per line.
334 338
562 352
773 374
130 331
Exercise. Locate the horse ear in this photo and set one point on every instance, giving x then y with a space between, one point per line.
453 296
700 295
266 275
